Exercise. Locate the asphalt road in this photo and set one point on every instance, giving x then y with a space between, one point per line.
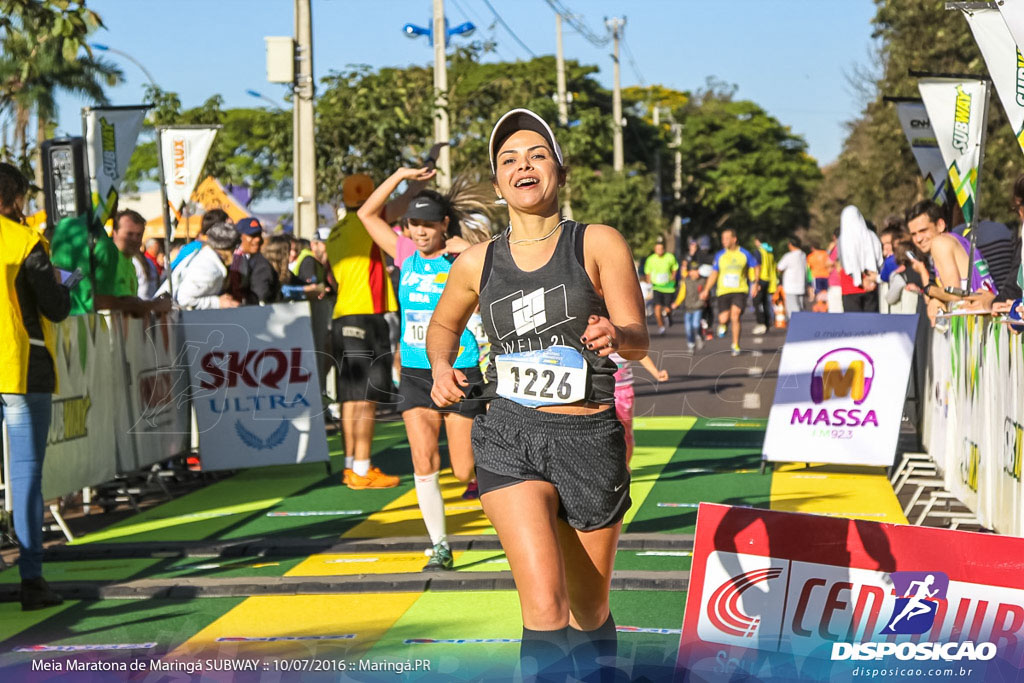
710 382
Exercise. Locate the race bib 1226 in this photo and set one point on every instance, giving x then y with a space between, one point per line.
552 376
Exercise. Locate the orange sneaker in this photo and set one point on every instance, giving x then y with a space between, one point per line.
374 479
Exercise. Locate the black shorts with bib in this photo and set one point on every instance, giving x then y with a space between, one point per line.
583 456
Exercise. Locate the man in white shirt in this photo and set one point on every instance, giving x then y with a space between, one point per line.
793 268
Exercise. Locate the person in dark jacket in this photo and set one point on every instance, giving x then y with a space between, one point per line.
31 297
252 279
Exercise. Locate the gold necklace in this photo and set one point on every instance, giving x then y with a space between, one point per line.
528 240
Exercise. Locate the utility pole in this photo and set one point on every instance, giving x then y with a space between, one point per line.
677 180
615 25
563 107
440 35
304 150
657 158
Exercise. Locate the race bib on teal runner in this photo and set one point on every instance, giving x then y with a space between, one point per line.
553 376
416 323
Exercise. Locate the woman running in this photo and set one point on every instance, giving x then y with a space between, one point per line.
424 263
557 299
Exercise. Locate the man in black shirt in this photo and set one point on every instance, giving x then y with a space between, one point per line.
253 280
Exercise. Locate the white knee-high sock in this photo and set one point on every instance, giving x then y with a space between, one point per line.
428 493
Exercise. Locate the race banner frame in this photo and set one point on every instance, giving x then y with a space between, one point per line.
783 596
254 386
842 383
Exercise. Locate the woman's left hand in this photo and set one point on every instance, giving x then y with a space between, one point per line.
601 336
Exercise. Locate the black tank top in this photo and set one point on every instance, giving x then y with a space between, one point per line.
543 312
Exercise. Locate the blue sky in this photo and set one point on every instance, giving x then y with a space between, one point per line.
790 56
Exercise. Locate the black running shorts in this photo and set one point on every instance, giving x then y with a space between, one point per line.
733 299
414 392
362 350
663 299
584 456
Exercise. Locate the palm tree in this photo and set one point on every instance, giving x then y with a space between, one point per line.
31 74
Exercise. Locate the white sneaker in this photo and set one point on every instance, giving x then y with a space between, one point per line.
661 330
690 346
759 329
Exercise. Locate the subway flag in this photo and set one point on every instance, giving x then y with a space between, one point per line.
957 111
1005 63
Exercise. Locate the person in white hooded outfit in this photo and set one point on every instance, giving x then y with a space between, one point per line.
198 281
860 254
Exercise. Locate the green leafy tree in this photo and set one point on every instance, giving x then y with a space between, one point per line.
742 167
623 200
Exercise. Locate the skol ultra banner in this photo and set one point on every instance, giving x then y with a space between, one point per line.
110 137
956 109
254 385
914 120
1004 61
783 596
183 152
842 383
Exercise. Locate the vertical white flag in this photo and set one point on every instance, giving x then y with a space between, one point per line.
183 152
111 134
1013 15
956 109
918 129
1004 61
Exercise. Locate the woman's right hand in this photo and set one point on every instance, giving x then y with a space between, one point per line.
416 174
447 381
227 301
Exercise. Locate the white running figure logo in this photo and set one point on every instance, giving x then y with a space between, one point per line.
916 604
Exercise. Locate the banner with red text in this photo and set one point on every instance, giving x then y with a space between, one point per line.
841 388
254 386
784 596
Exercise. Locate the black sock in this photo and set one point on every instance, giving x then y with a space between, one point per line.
544 656
587 646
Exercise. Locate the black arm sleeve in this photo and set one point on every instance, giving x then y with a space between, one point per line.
52 298
263 281
1008 288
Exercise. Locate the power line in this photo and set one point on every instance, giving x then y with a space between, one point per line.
507 27
576 22
479 19
632 62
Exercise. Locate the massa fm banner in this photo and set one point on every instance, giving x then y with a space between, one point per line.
842 382
1004 62
782 596
956 108
111 134
914 120
255 387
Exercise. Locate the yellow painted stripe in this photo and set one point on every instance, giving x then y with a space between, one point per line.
401 517
649 461
852 492
367 615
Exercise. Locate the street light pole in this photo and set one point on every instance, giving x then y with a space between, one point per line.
440 35
106 48
615 25
304 151
563 105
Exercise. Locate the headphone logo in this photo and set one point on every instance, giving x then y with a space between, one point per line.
845 372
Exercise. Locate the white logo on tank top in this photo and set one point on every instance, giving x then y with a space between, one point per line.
536 311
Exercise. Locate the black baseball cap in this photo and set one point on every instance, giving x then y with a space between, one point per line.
425 208
516 120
